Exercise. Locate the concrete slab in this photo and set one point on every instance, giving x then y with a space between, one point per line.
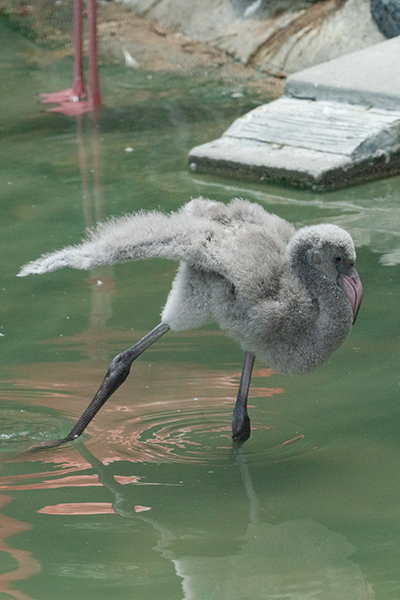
327 127
370 77
307 144
337 125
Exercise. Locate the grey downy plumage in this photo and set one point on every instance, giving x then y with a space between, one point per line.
288 297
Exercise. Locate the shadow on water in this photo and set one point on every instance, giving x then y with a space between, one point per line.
241 556
154 501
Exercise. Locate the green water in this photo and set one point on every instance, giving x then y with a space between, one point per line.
310 506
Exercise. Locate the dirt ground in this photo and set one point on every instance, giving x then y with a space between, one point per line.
149 46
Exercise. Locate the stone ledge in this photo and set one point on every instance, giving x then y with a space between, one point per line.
316 145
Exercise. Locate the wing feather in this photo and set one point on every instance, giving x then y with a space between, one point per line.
208 235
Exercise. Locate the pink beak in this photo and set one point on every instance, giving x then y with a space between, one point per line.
350 283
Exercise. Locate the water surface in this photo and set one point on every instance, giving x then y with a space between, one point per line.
154 502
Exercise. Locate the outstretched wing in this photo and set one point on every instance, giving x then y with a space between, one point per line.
141 235
208 235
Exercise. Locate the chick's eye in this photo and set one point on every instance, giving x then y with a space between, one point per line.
337 258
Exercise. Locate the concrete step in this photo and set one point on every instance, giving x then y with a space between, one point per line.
337 125
370 77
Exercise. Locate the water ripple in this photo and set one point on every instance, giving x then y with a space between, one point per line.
199 434
19 429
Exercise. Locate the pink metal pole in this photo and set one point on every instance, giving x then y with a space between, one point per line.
78 82
94 84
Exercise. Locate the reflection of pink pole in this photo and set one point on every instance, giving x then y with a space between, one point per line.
71 101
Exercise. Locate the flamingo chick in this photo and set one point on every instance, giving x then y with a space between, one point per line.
289 297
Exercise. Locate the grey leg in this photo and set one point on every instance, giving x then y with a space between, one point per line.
240 420
117 372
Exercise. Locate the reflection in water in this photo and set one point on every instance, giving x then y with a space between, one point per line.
71 481
101 279
27 566
78 508
86 508
93 201
293 559
146 422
